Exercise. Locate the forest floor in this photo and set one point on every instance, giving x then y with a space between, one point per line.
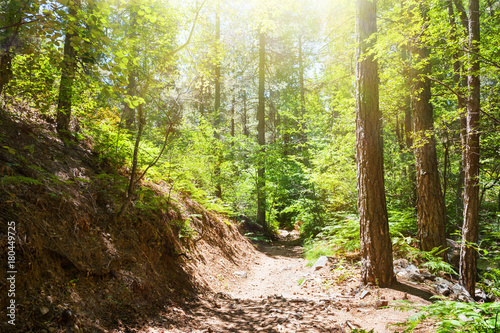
276 290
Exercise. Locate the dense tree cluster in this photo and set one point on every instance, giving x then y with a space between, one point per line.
268 108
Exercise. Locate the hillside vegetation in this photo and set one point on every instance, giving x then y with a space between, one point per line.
72 254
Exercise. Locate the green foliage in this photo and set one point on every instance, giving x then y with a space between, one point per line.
315 249
434 262
406 246
35 78
17 180
459 317
339 235
403 221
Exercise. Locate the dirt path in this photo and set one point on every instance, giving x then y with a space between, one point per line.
277 292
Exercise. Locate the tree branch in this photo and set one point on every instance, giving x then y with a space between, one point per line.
190 33
446 86
167 134
18 24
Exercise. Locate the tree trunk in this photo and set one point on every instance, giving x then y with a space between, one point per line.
470 230
461 105
430 201
68 68
376 247
233 105
133 173
303 125
128 112
408 125
217 110
261 133
245 116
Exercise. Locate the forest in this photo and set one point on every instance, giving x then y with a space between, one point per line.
368 127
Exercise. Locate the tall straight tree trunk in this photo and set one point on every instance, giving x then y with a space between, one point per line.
68 69
376 247
303 125
431 215
460 82
245 116
408 129
233 105
261 133
217 111
470 230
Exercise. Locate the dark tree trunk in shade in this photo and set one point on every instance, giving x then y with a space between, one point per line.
245 116
470 230
376 247
460 81
430 201
68 69
408 155
261 133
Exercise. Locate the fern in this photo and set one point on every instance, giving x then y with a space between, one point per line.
16 180
459 317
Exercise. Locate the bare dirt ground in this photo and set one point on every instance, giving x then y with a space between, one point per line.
276 291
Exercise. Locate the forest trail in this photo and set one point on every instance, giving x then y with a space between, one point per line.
278 292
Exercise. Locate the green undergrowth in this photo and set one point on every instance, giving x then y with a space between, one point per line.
451 316
339 235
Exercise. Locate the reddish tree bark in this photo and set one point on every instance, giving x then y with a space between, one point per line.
376 246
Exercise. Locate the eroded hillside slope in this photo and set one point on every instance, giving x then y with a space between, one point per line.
78 268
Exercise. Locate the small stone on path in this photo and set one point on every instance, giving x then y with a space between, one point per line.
320 263
241 274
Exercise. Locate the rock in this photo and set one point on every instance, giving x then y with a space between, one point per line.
428 276
52 329
442 289
480 296
412 269
402 274
458 289
320 263
417 277
440 280
461 293
381 303
403 263
241 274
44 310
364 293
